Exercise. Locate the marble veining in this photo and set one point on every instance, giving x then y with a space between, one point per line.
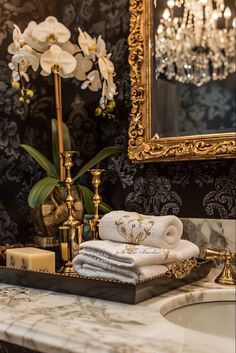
216 233
55 323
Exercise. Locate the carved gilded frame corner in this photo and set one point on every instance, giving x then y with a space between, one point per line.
142 147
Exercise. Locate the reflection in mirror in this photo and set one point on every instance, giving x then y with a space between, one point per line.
194 77
182 69
185 109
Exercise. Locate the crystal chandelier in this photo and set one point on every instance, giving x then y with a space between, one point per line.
197 46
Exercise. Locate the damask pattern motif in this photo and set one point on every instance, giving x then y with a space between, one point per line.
10 11
223 198
209 108
8 228
153 195
187 189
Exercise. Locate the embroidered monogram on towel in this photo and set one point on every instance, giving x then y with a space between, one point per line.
134 230
136 249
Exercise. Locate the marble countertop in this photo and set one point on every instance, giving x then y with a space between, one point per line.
56 323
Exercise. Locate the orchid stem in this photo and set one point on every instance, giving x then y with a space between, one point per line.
57 83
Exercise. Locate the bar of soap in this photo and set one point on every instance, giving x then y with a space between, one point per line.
33 259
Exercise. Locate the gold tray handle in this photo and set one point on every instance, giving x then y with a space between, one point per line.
182 268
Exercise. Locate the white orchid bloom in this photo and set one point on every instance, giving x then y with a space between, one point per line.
57 59
84 65
108 90
51 32
70 47
22 60
15 74
33 41
87 44
93 81
47 44
106 66
101 47
18 41
111 89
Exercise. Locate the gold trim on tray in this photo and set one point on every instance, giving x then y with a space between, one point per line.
107 289
142 146
179 270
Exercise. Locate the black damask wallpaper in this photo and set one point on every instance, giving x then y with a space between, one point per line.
204 189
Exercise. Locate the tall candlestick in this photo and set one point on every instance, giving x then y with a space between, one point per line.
71 231
94 222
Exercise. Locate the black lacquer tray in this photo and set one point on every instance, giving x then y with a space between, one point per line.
104 289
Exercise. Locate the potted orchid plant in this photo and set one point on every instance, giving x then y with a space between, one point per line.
46 47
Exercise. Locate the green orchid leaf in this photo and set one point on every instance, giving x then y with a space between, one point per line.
41 160
104 207
66 142
88 201
87 198
106 152
41 190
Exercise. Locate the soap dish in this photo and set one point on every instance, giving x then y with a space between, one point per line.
178 275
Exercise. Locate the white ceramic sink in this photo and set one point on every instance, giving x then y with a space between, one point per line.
210 312
216 318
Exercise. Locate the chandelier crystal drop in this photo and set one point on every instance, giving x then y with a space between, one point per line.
197 46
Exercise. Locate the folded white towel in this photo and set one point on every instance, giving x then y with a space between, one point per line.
126 262
129 255
130 276
134 228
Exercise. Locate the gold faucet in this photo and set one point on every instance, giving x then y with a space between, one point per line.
228 275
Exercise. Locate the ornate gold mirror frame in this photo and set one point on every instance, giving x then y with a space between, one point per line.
142 146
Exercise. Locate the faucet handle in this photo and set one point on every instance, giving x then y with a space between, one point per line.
210 254
214 254
228 275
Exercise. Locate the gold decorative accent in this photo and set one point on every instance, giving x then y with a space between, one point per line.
161 275
142 147
133 229
182 268
94 222
58 97
71 231
228 275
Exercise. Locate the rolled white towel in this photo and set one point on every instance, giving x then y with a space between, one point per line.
134 228
126 262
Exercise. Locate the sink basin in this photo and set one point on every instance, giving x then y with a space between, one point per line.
216 318
210 312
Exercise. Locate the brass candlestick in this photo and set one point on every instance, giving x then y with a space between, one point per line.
94 222
71 231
